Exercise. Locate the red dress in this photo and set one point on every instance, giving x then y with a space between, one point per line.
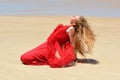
45 54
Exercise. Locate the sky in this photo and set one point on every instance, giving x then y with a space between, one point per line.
61 7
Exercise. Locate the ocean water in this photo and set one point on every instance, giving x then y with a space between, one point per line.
61 7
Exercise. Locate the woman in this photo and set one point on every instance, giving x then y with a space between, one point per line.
62 45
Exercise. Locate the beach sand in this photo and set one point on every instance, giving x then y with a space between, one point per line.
19 34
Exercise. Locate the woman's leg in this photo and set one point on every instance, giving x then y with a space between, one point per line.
36 56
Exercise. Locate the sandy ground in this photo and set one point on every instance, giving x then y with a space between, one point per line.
19 34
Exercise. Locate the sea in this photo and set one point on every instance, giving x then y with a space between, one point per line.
102 8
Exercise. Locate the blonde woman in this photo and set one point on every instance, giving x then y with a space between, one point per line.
81 36
62 45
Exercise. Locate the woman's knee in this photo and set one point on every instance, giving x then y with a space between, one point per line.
25 59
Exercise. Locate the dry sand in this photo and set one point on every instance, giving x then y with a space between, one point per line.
19 34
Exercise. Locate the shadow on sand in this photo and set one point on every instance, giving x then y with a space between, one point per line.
83 61
87 61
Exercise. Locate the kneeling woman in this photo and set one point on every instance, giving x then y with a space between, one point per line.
61 46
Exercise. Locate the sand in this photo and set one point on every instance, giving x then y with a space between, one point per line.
19 34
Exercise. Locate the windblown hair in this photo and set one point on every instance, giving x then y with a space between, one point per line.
84 37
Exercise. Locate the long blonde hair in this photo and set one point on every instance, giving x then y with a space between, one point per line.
84 37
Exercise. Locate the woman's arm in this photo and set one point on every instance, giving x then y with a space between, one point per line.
71 33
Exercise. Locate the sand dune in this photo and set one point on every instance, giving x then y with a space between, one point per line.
19 34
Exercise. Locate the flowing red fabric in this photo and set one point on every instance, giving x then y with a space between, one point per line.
45 54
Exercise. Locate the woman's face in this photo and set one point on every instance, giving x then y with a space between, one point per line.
73 20
77 18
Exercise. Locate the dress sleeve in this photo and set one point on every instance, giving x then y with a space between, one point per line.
51 38
66 56
51 41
